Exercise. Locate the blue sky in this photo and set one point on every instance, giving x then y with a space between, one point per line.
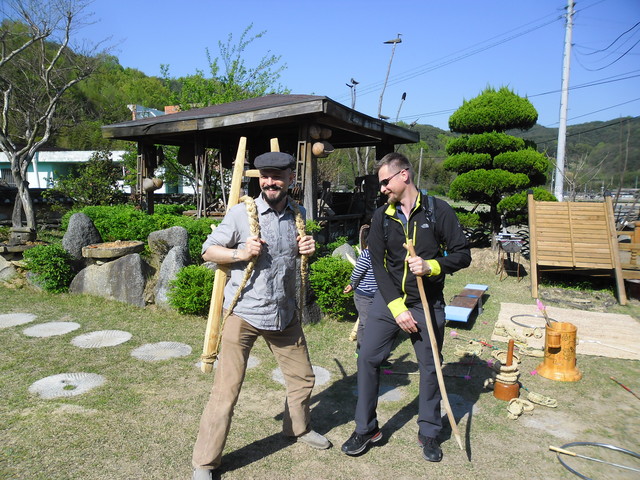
450 51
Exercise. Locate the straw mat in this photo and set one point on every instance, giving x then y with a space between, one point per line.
601 334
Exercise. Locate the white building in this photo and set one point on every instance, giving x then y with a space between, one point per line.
49 166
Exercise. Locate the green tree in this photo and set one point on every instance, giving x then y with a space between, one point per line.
38 66
490 164
230 80
104 98
96 182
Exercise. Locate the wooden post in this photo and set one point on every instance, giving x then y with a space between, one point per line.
533 254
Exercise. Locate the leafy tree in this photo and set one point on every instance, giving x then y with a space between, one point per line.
96 182
38 66
230 80
492 165
235 82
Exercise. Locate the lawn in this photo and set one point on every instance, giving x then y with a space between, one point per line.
142 422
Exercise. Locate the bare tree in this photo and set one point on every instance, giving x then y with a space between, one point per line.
579 172
38 65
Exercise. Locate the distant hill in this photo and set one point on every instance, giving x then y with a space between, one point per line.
611 141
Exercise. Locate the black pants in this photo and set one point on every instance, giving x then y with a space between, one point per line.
375 346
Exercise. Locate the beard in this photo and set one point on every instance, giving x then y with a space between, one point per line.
273 195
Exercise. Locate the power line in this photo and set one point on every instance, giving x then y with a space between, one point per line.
612 43
601 110
470 51
607 66
602 81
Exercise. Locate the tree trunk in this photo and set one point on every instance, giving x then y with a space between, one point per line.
23 204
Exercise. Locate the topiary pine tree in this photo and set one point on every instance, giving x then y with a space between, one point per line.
490 164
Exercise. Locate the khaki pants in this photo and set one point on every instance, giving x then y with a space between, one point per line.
290 350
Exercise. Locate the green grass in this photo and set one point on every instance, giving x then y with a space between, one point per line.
142 422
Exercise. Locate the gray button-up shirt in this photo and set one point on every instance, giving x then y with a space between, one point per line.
268 301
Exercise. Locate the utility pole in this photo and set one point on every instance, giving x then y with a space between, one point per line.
420 168
562 131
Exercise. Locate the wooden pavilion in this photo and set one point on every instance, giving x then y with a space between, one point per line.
299 122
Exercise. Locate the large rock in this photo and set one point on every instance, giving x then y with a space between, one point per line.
122 279
346 252
162 241
80 233
176 259
7 270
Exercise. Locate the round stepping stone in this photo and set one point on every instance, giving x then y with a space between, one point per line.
152 352
322 375
66 384
51 329
101 338
459 406
13 319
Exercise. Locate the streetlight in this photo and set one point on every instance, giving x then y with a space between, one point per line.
393 42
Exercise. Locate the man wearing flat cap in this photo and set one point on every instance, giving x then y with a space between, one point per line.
266 307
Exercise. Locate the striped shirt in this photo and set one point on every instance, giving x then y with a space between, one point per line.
362 279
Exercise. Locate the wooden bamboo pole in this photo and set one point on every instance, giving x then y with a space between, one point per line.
435 351
212 333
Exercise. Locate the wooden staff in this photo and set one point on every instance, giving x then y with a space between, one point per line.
435 351
212 333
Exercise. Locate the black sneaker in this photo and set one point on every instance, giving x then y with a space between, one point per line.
357 442
431 451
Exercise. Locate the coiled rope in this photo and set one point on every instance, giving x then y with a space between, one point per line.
254 230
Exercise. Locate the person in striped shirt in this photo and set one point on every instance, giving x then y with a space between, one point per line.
363 283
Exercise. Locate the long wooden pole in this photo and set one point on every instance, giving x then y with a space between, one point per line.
212 333
435 351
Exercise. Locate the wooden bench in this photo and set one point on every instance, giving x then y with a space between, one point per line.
461 306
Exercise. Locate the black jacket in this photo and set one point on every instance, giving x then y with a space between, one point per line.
388 256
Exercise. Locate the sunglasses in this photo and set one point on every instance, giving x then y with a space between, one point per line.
385 181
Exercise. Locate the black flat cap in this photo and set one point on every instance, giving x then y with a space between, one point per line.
275 160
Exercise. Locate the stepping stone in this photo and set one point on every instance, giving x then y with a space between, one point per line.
51 329
152 352
13 319
101 338
322 375
66 384
387 393
459 406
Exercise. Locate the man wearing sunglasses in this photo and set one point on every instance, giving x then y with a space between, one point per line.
397 304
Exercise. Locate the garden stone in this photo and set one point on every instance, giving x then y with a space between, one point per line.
80 233
346 252
162 241
176 259
7 270
122 279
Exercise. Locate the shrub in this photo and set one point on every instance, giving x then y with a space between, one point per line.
494 110
51 265
125 222
492 143
468 220
515 206
465 162
190 292
328 277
